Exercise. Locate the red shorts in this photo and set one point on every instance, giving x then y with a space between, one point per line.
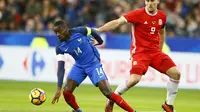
158 60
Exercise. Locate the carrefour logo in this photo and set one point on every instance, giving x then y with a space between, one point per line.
1 62
34 63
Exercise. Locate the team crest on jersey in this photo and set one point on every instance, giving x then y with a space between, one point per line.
153 22
160 21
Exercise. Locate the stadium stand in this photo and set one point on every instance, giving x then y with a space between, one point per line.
183 16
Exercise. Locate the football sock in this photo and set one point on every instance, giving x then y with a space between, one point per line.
122 88
79 110
70 99
172 89
120 102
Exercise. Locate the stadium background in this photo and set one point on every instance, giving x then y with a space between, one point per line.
27 56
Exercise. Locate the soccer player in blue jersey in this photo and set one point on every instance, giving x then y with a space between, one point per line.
87 63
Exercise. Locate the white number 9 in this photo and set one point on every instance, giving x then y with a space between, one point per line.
153 29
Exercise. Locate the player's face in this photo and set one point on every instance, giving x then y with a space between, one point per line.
151 5
60 32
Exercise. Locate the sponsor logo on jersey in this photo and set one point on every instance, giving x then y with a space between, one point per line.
34 63
153 22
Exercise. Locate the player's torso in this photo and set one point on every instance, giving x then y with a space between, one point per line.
145 32
79 48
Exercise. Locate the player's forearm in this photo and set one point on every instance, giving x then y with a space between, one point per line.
60 73
109 26
96 36
161 45
162 40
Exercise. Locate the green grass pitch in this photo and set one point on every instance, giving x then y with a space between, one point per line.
14 98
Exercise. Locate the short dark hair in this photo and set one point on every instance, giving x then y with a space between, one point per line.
60 23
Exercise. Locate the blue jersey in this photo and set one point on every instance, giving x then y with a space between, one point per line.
87 58
79 47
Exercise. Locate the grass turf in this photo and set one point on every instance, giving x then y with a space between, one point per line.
14 98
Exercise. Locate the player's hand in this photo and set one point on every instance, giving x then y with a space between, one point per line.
96 29
94 41
57 96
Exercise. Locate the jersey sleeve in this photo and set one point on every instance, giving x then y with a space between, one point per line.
59 54
164 19
61 66
132 17
58 51
83 30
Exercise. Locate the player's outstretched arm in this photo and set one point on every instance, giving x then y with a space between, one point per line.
112 25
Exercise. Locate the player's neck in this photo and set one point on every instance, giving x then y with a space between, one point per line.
151 13
68 35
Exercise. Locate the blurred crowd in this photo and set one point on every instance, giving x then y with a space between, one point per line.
183 16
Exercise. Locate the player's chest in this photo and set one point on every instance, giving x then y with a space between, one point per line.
151 25
69 47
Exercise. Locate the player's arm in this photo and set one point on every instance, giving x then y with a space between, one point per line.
95 35
112 25
163 32
89 31
61 67
60 74
131 17
162 37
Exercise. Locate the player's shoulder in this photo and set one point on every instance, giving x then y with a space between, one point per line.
58 45
161 12
77 29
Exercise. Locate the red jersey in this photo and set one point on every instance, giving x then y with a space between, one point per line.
145 29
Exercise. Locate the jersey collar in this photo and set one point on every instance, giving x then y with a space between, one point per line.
150 13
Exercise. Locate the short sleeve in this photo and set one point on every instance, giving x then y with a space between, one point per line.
132 17
164 18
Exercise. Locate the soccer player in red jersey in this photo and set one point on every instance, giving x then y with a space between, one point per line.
148 36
